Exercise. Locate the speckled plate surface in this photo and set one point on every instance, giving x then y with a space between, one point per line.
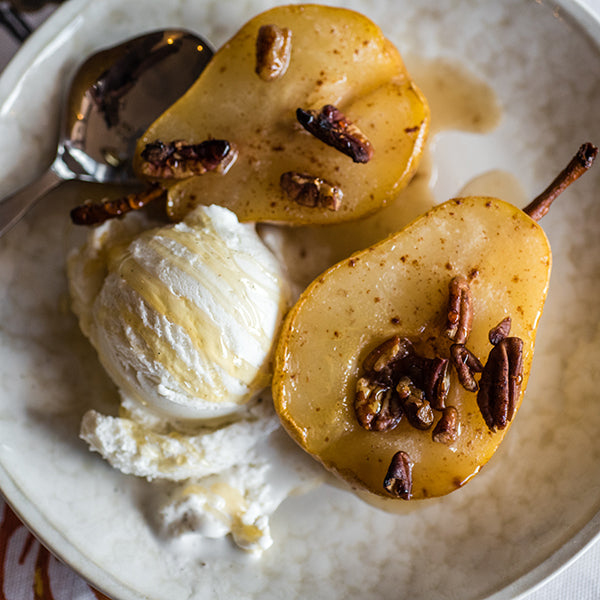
533 507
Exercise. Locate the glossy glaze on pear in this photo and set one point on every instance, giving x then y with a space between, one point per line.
338 57
400 287
475 252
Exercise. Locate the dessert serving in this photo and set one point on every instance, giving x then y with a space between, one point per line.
185 316
307 115
225 473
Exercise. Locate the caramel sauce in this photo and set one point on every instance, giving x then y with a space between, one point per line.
457 98
501 184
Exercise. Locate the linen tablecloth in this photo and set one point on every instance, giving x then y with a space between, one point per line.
29 571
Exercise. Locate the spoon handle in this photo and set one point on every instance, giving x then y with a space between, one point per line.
14 206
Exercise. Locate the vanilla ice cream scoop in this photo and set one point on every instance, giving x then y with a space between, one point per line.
183 316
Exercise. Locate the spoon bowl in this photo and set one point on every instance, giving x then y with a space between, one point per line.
113 97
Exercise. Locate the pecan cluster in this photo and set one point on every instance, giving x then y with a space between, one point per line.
397 381
501 377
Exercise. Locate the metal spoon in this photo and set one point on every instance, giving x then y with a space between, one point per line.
113 97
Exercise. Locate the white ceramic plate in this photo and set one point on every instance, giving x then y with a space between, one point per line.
533 507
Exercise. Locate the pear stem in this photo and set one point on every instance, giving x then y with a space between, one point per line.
579 164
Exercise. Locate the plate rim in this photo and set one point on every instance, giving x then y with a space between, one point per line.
50 536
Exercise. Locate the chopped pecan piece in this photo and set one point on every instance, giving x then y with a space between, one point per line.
430 375
331 127
273 51
446 429
416 407
460 310
498 333
376 404
95 213
398 479
311 191
436 383
387 354
466 363
179 160
500 383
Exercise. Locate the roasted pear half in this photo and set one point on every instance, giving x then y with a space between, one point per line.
307 115
401 368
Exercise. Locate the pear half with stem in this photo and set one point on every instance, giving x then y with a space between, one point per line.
307 115
378 366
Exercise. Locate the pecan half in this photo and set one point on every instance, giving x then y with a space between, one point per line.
95 213
414 404
465 363
179 160
311 191
500 383
398 479
331 127
273 52
376 405
498 333
459 318
446 429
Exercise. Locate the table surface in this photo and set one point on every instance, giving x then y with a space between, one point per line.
28 570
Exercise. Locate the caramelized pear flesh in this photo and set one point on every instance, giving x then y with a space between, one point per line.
400 287
336 57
